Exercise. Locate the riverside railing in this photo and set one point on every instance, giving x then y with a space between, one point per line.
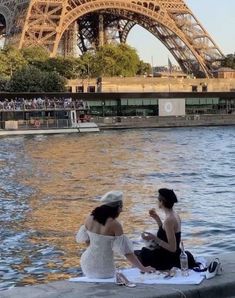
36 124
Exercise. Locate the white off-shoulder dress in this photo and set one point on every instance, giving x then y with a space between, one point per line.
98 261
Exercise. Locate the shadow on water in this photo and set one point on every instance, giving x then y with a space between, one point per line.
50 183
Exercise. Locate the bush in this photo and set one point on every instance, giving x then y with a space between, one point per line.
32 79
3 83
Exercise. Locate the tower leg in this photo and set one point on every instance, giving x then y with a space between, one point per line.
101 30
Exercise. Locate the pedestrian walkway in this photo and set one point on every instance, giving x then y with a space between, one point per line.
218 287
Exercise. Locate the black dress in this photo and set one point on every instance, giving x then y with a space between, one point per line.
160 258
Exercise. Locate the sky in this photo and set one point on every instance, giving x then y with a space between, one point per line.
216 16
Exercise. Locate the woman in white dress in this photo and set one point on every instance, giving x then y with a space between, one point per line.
104 235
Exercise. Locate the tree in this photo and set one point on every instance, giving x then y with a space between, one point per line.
111 60
27 79
66 67
87 66
229 61
35 54
144 68
128 60
13 60
32 79
3 83
3 64
53 82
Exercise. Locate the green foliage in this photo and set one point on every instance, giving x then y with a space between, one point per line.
229 61
3 83
110 60
66 67
27 79
3 64
31 69
128 59
143 68
88 66
32 79
11 60
53 82
35 54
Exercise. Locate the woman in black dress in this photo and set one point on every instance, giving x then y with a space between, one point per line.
166 254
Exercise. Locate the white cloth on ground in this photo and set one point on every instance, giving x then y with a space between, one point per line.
134 275
97 261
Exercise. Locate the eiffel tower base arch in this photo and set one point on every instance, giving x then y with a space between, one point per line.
61 25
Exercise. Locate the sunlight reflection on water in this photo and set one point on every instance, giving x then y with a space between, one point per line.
49 183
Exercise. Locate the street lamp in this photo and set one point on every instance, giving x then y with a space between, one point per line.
88 69
103 103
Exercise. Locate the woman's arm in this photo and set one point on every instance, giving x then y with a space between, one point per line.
170 233
131 257
82 235
155 216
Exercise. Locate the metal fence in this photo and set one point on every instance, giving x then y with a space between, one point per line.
36 124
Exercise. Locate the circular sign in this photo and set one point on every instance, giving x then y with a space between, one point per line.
168 107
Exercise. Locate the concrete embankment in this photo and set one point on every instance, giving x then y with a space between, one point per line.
161 122
135 122
218 287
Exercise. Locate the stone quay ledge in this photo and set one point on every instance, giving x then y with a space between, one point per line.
132 122
222 286
106 123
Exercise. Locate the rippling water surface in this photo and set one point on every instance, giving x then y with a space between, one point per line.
49 184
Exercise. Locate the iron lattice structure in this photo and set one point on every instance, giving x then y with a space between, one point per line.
60 25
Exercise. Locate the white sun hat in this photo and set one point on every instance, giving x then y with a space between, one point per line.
112 197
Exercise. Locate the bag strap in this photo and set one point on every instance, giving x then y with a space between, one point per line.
199 267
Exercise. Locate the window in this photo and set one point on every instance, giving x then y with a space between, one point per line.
80 89
95 103
135 102
124 102
91 89
69 89
110 102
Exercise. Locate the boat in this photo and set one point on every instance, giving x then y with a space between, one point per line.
45 116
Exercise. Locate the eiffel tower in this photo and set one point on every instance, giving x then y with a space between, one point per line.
62 25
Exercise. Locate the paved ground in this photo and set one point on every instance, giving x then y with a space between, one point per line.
220 286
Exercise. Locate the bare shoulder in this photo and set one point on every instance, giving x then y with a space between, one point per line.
173 222
116 227
169 221
88 221
178 217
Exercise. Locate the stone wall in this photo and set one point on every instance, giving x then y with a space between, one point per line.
155 121
165 84
146 84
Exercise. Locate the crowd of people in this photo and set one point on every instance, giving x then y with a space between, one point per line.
40 103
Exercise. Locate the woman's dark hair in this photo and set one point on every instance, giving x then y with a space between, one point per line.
103 212
168 197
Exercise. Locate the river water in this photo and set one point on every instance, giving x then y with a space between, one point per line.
50 183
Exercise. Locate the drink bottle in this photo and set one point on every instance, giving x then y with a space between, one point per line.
183 261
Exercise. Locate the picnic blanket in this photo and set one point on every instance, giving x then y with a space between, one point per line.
134 275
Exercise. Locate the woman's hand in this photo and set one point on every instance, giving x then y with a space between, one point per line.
148 236
153 214
148 269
